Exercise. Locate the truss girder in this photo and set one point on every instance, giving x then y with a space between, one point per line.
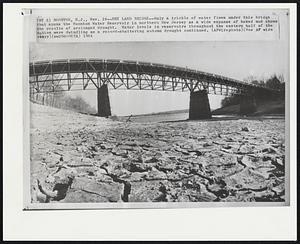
66 75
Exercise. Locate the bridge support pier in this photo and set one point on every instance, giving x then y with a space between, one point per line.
103 101
199 105
247 104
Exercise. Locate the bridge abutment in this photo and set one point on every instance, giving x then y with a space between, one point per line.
103 101
247 104
199 105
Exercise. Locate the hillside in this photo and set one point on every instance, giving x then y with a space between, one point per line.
263 108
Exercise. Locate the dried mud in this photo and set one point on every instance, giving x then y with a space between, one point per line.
80 158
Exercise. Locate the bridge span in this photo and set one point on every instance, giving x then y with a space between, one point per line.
86 74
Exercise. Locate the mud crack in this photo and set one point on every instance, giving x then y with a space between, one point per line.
127 184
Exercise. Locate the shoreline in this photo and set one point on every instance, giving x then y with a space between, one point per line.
164 118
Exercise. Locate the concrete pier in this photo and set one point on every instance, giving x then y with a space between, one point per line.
103 101
199 105
247 105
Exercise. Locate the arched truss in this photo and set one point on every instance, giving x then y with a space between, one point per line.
86 74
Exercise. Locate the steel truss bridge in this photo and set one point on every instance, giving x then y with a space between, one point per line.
87 74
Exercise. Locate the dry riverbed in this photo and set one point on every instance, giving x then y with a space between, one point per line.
81 158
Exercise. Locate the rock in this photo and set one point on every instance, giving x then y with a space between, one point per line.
227 147
119 152
151 160
105 192
101 171
246 149
126 148
206 144
278 163
197 152
146 192
183 198
155 174
136 167
137 176
50 179
269 150
245 129
62 188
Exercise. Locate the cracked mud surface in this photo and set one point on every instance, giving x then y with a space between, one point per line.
80 158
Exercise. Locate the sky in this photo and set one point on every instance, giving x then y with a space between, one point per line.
234 59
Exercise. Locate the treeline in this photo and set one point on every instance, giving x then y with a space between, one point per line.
63 101
274 82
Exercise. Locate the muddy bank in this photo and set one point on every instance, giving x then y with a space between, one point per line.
80 158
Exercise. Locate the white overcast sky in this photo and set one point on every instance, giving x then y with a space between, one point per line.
232 59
